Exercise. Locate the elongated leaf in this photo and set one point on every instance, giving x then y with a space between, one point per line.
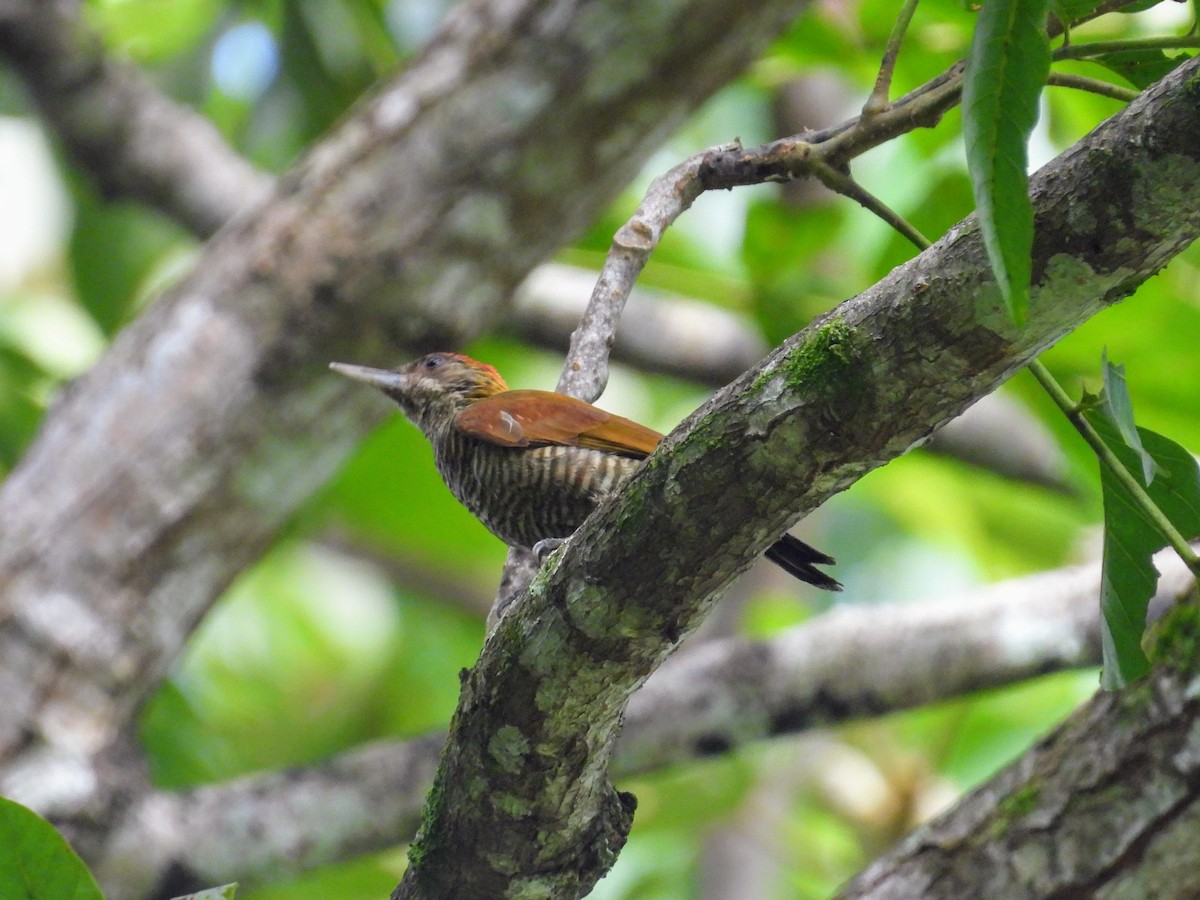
1141 68
36 863
113 250
1130 540
1119 408
19 412
1010 59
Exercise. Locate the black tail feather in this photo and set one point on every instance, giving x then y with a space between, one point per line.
800 560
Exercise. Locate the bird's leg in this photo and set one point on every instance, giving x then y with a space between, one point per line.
519 569
545 547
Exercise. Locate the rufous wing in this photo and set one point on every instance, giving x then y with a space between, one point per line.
529 418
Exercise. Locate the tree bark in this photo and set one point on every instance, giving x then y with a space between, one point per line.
1107 806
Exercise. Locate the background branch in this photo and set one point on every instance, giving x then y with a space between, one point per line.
172 464
1117 781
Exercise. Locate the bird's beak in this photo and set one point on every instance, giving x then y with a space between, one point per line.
383 379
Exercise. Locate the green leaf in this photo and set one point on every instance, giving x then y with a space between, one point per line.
150 30
1010 59
1129 577
36 863
20 413
1119 408
1141 68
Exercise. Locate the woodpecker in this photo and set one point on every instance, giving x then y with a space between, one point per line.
532 465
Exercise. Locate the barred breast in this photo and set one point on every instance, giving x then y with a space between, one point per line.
523 494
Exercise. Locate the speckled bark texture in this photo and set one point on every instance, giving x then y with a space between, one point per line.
525 773
1106 807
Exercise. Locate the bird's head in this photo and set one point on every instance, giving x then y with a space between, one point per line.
433 389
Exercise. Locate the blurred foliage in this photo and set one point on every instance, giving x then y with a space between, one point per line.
343 633
309 653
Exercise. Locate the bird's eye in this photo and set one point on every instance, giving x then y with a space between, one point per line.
432 362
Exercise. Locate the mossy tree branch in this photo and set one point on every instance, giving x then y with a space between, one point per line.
523 800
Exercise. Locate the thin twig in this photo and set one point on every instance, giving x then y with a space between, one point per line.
585 371
878 100
844 184
1056 28
795 157
1099 48
1092 86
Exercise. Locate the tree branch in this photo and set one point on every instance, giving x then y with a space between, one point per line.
711 345
523 800
1118 788
709 699
585 372
658 332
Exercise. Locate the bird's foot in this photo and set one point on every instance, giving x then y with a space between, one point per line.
545 547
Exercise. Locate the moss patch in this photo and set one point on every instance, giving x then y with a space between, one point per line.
828 362
508 748
425 842
1021 802
1175 641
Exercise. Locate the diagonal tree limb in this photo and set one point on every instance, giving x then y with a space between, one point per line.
523 799
711 345
1106 806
